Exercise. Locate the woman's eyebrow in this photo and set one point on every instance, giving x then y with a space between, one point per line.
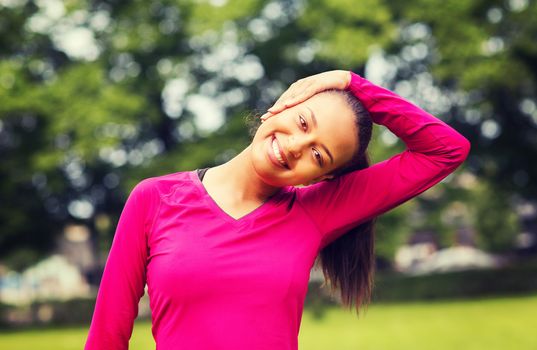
314 120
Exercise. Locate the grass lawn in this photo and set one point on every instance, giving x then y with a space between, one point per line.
501 323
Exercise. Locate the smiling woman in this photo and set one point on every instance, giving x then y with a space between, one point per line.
226 252
312 139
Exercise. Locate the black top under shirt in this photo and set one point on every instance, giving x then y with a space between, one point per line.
201 173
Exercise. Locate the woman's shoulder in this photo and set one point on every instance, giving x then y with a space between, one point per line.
164 185
170 188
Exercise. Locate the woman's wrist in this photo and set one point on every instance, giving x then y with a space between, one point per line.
344 79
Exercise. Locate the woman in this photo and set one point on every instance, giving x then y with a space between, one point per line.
227 253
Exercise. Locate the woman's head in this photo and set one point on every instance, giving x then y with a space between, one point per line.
322 137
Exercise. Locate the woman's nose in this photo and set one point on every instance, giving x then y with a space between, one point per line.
295 145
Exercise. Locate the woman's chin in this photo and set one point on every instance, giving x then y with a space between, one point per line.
268 175
266 172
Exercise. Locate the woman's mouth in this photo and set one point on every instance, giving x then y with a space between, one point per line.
279 157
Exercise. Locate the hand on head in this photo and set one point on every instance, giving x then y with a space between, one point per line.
305 88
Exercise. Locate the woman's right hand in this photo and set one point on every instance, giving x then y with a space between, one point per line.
305 88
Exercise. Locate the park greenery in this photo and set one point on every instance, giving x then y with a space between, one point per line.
97 95
494 324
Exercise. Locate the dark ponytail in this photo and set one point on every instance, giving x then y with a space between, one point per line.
348 263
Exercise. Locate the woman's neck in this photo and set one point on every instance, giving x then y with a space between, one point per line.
238 178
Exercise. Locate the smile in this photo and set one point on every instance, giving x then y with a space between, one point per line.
277 153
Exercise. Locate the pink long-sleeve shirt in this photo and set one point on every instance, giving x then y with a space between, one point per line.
219 283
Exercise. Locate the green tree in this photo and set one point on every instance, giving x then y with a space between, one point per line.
95 96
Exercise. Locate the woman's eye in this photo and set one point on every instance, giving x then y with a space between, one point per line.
318 157
303 123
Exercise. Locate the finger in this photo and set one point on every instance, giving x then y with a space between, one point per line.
292 100
277 108
285 96
280 106
285 101
294 89
266 116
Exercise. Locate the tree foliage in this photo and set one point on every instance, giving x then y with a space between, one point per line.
95 96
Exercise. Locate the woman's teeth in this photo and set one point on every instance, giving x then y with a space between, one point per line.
277 153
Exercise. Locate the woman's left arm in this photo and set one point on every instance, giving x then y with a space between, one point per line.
434 150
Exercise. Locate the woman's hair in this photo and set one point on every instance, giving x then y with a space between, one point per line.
348 263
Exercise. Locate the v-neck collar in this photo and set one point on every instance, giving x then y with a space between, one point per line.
266 205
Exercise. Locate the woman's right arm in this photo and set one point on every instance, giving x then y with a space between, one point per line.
123 281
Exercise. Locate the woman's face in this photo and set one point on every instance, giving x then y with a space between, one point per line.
304 143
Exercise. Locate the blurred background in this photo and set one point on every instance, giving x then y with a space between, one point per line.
97 95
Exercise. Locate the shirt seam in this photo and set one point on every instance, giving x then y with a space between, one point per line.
154 220
317 228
